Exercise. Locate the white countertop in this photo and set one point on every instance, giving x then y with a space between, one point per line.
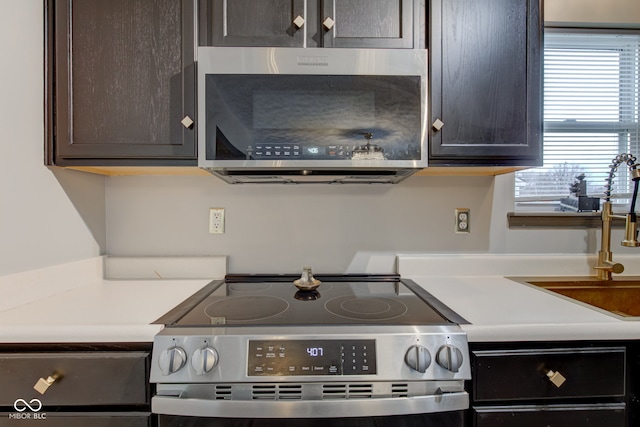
102 311
74 303
500 309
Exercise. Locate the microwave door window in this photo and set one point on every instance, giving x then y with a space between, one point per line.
314 110
309 117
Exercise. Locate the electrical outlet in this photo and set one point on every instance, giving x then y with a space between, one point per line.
216 220
463 220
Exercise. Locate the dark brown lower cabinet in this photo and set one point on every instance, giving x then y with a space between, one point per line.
66 419
606 415
554 384
68 385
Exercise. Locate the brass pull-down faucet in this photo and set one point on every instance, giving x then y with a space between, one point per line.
606 266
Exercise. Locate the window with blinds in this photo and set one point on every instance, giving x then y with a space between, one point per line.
590 115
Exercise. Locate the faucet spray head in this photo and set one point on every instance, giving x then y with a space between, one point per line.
631 226
631 230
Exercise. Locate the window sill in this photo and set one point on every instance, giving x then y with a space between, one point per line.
559 220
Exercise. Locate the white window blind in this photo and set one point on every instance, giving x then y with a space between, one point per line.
590 115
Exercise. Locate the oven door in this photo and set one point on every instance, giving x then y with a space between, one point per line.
441 410
443 419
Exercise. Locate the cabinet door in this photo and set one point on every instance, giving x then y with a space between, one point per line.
369 23
121 81
486 82
524 374
607 415
258 23
78 419
81 378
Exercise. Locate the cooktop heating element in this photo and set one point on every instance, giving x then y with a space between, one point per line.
375 308
261 338
245 309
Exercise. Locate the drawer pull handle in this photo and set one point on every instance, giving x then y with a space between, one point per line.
43 384
556 378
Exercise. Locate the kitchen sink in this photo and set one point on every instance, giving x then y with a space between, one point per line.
619 296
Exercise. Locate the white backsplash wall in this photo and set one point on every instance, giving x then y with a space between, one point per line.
332 228
280 228
46 217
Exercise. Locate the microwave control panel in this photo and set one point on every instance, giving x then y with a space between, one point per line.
298 152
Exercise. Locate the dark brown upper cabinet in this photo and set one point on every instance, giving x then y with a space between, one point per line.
120 82
313 23
486 82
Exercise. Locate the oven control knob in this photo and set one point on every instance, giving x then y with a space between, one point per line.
418 358
449 357
172 360
204 360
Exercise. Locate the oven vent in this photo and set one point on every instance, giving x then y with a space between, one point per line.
347 391
276 392
222 392
400 390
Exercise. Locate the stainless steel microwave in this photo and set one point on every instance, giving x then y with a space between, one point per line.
294 115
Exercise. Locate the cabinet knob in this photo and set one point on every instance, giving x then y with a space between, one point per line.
556 378
437 125
187 122
43 384
298 22
328 23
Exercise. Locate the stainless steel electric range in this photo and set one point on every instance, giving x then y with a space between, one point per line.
355 349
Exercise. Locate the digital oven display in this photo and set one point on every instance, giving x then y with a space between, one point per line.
311 357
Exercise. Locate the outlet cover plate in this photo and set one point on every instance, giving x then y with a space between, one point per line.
216 220
463 220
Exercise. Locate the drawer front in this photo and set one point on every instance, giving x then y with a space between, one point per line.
522 374
550 416
83 378
62 419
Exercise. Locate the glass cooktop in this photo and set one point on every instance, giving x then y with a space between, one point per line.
339 300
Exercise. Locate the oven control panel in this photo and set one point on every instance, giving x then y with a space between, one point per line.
311 357
186 356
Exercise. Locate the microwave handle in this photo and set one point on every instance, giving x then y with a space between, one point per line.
199 407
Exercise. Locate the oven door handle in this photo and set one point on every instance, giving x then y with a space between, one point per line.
443 402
